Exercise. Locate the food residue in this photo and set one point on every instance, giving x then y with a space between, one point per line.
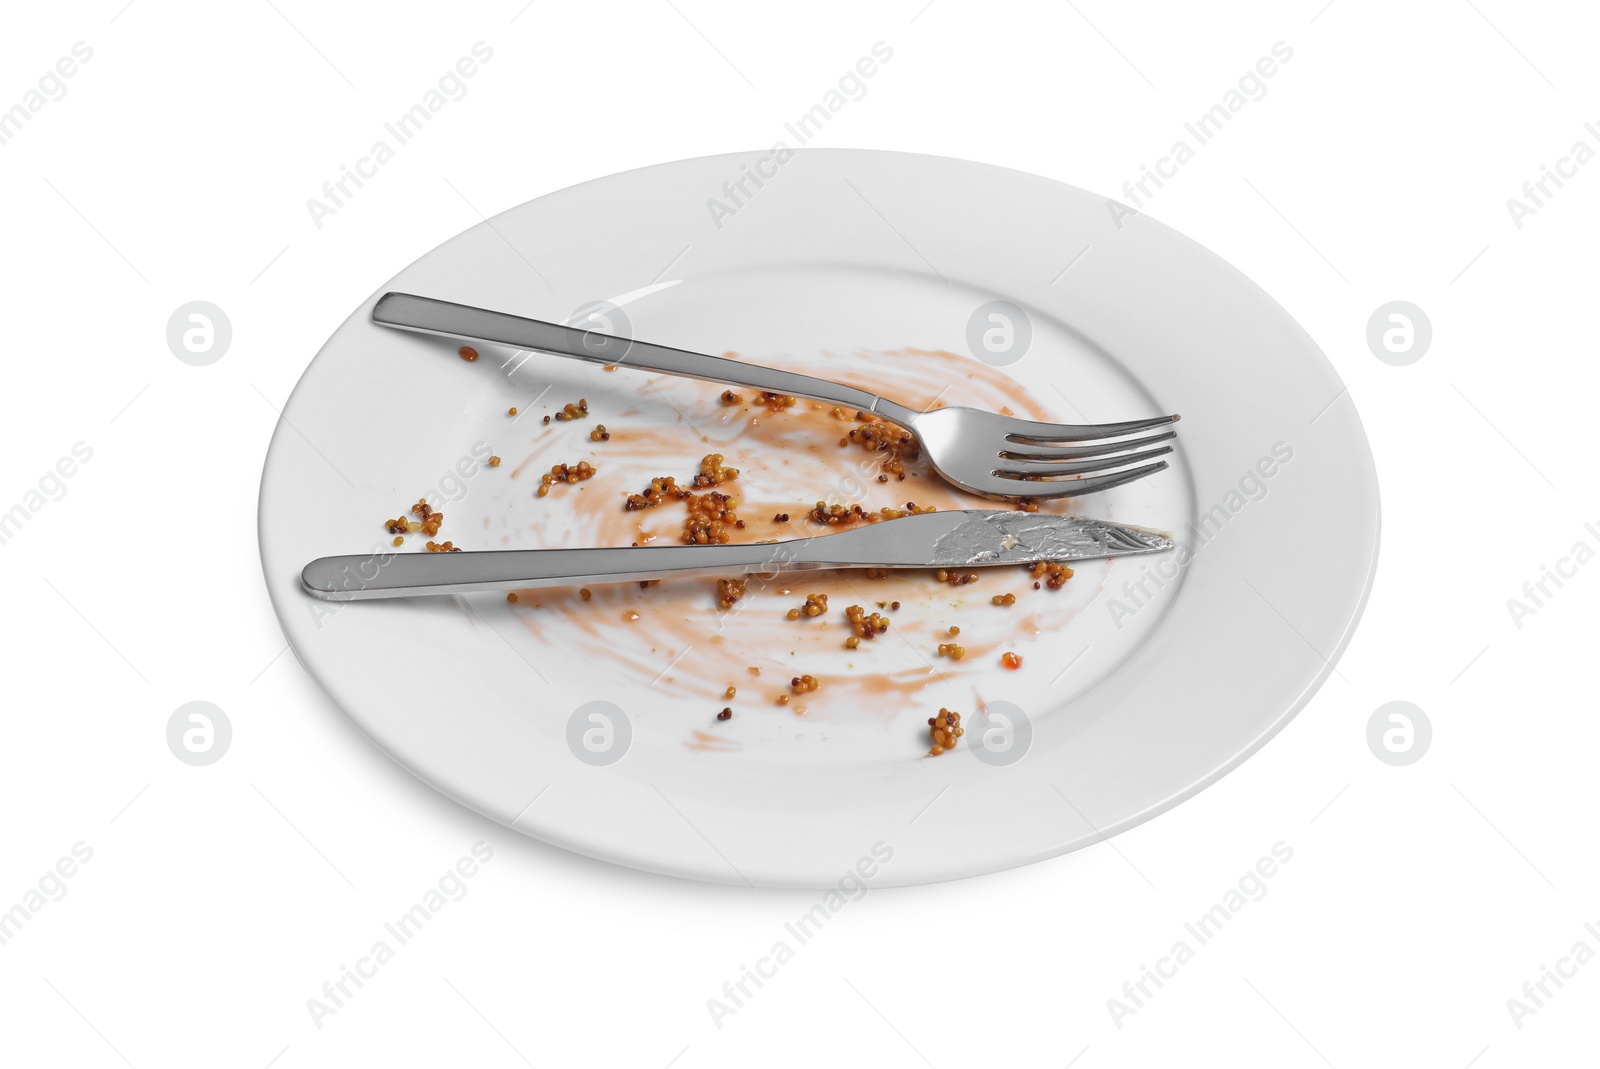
816 605
944 729
570 411
729 591
565 473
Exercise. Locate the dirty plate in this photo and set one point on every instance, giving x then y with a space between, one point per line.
592 722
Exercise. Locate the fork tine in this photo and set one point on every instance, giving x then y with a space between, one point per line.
1084 467
1070 487
1082 452
1028 432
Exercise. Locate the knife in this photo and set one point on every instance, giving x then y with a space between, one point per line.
958 539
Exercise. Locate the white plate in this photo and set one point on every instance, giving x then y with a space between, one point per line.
1141 683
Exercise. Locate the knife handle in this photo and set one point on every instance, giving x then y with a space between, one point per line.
359 577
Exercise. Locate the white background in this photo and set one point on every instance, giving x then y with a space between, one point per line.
219 899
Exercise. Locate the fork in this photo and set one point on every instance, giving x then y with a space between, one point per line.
982 452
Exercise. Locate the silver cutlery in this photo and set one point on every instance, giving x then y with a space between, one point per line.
958 539
985 453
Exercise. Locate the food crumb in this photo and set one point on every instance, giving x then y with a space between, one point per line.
865 625
565 473
712 472
878 436
776 402
711 516
729 591
944 729
837 515
816 605
428 522
663 488
1054 573
570 411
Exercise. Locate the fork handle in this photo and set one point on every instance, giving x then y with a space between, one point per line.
425 315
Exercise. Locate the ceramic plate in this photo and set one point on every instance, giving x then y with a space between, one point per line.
592 724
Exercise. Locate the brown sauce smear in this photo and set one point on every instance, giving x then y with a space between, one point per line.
787 461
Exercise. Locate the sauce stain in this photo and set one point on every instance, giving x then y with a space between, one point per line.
788 461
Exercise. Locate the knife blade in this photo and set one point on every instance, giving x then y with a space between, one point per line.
974 538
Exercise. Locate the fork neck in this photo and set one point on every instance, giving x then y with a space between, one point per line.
899 414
